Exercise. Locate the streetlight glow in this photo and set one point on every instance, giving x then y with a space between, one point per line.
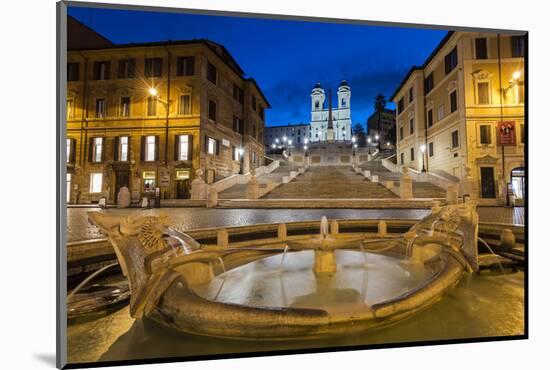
355 146
290 142
284 138
376 137
368 140
353 139
305 147
276 140
306 141
241 151
516 75
422 148
153 91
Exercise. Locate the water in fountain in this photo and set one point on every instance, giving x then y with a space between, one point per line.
324 227
221 263
183 244
88 279
491 250
283 257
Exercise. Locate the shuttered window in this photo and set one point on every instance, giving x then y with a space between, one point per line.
125 106
73 71
100 108
485 134
185 66
153 67
152 106
481 48
212 110
183 147
126 68
212 73
102 70
185 104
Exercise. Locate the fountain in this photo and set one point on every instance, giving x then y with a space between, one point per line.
329 295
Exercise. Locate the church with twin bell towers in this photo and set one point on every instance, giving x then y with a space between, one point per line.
330 124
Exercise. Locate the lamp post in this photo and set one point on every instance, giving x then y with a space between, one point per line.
241 164
368 143
423 150
153 92
353 145
289 145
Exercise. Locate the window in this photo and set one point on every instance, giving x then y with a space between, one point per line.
126 68
402 158
185 104
238 94
453 101
149 178
411 95
212 73
212 110
343 102
123 145
412 154
69 150
96 180
262 113
429 83
101 70
481 48
70 108
97 150
316 104
100 108
400 105
212 146
185 66
237 124
431 149
454 140
253 102
151 105
153 67
483 93
411 126
430 117
401 133
236 153
125 106
451 61
254 159
485 134
73 71
441 112
150 148
184 147
254 131
520 92
518 46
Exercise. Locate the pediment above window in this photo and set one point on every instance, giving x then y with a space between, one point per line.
451 86
482 75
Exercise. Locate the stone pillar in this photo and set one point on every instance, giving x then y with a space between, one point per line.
452 194
253 186
507 240
212 198
281 232
382 228
198 186
468 184
223 238
405 186
334 228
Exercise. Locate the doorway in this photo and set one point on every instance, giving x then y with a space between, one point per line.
122 178
518 182
183 184
487 182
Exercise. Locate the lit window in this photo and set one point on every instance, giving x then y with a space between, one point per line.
184 147
123 142
212 146
150 149
96 180
69 150
149 181
98 149
100 108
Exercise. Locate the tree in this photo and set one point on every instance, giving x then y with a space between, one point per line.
379 106
359 132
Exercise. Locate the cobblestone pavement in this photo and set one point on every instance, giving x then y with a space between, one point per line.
78 227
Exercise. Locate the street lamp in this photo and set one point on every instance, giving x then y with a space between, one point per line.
368 143
289 144
241 157
423 150
153 91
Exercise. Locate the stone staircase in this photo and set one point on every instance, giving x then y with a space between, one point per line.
238 191
330 182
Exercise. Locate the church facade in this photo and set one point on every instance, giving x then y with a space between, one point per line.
321 114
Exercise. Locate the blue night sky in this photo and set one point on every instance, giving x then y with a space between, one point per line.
287 57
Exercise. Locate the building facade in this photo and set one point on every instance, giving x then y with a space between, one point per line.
276 136
465 108
387 134
341 113
149 115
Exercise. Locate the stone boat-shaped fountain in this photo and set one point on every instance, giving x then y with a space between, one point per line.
320 285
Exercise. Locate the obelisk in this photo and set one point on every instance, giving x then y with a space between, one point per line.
330 130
